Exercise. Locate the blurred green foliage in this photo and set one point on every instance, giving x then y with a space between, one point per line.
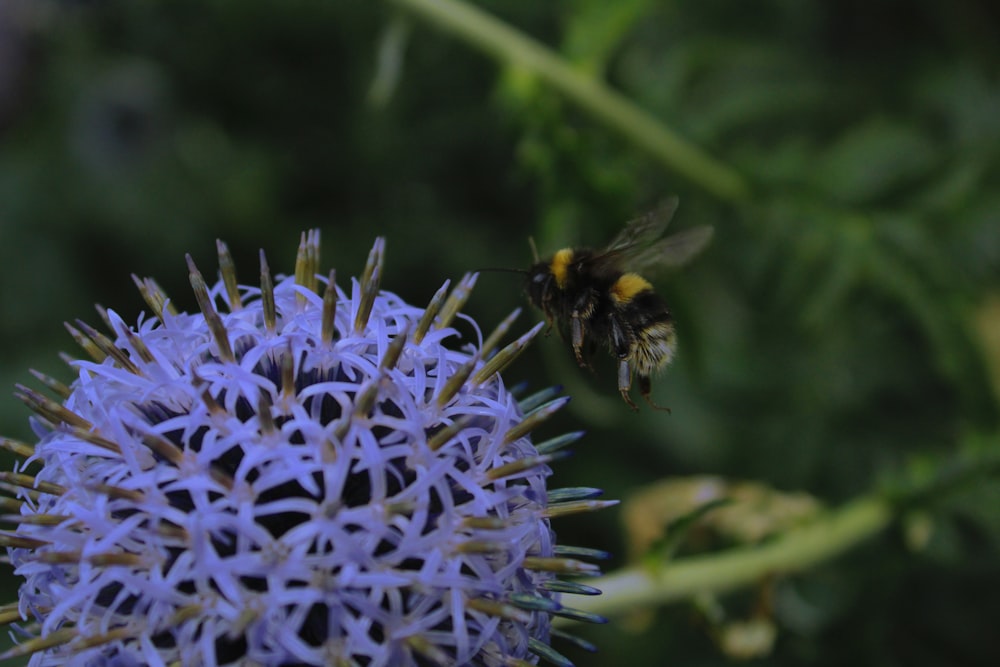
839 336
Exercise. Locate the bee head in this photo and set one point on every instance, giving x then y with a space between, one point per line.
539 283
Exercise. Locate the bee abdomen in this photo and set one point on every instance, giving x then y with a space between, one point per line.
653 337
654 346
628 287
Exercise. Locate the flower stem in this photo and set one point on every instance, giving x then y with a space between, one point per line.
515 49
798 549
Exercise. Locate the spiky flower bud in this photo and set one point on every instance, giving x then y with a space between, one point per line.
294 475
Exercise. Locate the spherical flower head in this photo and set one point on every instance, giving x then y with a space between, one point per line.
293 475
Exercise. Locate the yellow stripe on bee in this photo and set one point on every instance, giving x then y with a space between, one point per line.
560 266
627 286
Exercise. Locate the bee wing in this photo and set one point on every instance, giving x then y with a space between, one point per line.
640 249
643 230
672 252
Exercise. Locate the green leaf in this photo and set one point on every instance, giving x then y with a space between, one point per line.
663 549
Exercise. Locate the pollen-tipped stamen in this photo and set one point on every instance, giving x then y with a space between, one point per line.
34 519
563 586
118 493
49 409
498 333
433 308
41 643
523 464
327 327
12 505
579 642
500 609
365 399
9 613
227 268
559 442
456 300
537 418
508 661
53 385
560 565
102 312
19 491
376 257
215 324
109 559
242 622
267 296
163 448
506 356
87 345
58 557
486 547
457 380
211 404
428 650
307 263
369 283
67 359
264 416
287 362
440 438
391 356
577 507
485 523
572 493
108 347
18 542
16 447
580 615
136 343
533 602
154 296
570 551
530 403
95 438
552 656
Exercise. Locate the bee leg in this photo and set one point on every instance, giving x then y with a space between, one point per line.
645 387
546 299
548 326
620 341
576 333
625 382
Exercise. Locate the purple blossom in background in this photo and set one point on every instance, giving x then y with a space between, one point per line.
294 475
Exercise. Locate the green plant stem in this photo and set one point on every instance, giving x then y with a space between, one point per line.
797 550
515 49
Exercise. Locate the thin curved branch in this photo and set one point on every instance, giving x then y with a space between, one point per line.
516 49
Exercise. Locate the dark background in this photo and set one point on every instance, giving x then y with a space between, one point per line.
841 334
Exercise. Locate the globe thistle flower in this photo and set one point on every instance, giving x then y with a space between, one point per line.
294 475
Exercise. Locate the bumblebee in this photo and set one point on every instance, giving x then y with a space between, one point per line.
601 296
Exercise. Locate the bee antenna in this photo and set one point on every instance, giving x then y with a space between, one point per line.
534 248
503 269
